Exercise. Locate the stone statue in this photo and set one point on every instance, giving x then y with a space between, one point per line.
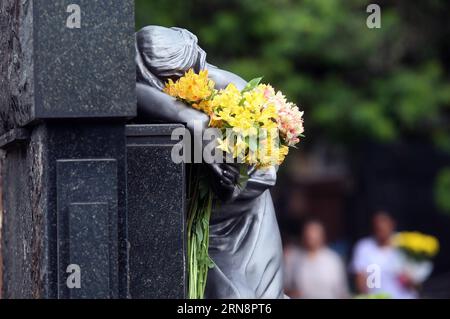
245 242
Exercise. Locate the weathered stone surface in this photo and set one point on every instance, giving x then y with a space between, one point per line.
33 203
25 197
14 136
156 214
51 71
16 65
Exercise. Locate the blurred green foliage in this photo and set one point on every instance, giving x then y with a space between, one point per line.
353 82
442 190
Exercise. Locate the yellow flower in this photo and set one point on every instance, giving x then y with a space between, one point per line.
228 98
204 106
417 243
253 116
223 145
283 152
192 87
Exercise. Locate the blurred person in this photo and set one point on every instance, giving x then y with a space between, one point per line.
378 250
314 271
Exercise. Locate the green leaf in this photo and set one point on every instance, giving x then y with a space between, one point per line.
199 232
252 84
205 223
211 263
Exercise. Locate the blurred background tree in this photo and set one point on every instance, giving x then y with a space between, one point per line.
352 81
442 190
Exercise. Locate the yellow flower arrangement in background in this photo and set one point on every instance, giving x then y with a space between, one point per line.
417 245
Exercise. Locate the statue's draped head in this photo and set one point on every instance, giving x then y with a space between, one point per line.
163 53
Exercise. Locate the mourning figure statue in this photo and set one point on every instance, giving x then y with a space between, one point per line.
245 243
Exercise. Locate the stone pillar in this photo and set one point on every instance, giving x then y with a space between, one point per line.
67 85
64 203
67 88
156 202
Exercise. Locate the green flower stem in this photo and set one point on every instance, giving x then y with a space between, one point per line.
199 215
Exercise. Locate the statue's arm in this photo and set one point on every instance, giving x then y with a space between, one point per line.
222 78
156 105
261 180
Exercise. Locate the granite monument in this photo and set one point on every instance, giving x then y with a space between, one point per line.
84 194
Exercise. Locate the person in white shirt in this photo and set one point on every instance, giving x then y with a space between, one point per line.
315 271
377 265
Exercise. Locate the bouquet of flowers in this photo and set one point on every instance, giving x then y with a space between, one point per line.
257 126
418 250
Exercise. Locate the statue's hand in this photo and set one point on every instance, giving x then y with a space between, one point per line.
224 179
